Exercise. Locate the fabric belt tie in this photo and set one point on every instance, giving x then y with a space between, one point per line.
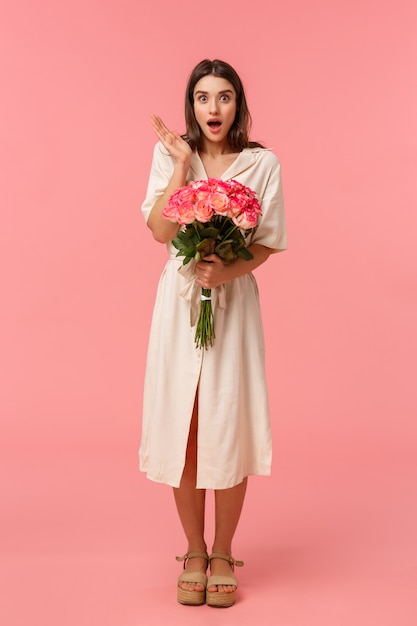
192 292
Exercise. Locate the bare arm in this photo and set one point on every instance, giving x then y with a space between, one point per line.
162 229
212 274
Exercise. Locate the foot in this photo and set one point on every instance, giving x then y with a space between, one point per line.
220 567
222 579
193 564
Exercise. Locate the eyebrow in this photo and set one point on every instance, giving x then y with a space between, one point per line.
205 93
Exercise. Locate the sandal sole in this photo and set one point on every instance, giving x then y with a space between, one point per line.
191 598
221 600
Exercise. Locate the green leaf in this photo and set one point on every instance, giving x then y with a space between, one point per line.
244 253
183 238
210 232
190 231
206 246
225 251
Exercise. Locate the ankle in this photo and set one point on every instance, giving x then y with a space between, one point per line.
197 547
222 548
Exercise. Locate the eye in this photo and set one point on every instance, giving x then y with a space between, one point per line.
202 98
224 98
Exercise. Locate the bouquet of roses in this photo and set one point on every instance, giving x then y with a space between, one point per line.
216 216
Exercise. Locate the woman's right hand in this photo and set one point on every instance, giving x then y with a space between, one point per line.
163 230
172 141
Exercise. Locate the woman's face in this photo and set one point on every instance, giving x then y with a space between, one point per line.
214 107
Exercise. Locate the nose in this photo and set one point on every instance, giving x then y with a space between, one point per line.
213 106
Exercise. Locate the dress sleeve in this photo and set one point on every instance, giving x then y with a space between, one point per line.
271 231
161 171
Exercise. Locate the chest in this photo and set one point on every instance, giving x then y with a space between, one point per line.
216 167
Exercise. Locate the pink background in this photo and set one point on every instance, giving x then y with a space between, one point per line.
85 538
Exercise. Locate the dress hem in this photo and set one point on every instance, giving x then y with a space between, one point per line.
233 483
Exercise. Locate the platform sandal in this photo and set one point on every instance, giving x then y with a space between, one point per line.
222 598
184 596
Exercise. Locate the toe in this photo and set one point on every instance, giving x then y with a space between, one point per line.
222 588
191 586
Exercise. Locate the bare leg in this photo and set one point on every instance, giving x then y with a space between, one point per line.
191 505
229 503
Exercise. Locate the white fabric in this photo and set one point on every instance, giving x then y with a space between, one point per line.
234 439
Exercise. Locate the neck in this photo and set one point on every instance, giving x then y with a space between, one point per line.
214 150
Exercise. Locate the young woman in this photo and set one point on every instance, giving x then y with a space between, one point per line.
205 415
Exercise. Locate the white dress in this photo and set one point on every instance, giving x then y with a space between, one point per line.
234 438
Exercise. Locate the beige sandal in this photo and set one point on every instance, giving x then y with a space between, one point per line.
222 598
184 596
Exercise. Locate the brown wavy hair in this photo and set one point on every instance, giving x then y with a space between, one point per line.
238 136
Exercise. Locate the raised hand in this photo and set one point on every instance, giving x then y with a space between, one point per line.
172 141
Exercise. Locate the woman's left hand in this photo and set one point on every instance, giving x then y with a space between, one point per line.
210 272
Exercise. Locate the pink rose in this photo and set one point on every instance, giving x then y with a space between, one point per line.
202 194
251 217
201 199
201 184
220 202
185 213
255 207
170 212
203 210
245 220
238 204
220 185
184 194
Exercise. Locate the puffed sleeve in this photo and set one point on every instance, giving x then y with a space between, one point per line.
271 231
161 171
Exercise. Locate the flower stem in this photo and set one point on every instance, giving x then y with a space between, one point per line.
204 332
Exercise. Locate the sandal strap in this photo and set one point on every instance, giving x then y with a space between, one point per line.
226 557
193 555
222 580
193 577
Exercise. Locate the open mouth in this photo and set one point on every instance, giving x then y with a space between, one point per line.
214 124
